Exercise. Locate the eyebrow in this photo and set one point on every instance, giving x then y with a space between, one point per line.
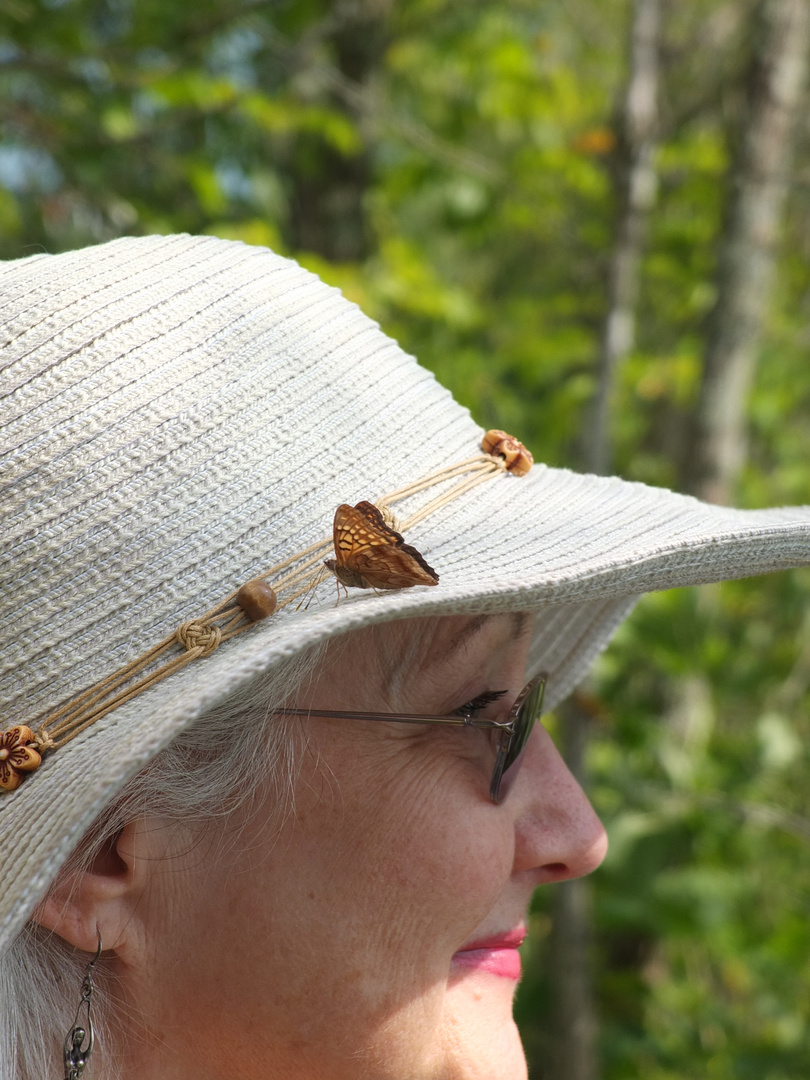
400 662
469 630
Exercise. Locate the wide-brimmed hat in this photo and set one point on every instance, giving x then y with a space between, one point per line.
179 414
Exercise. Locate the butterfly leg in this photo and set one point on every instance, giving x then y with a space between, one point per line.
309 595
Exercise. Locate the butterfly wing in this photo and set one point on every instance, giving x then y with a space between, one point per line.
394 568
380 529
366 546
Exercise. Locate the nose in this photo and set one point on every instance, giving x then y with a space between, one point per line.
557 833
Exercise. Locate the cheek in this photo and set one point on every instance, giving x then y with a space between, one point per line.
336 931
403 824
403 860
435 868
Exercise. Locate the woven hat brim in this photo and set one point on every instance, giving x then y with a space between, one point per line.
576 549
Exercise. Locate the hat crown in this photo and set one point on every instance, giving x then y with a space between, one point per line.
180 413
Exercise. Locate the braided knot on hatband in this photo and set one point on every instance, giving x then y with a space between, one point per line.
200 637
43 741
389 517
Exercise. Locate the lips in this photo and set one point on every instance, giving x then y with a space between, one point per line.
495 955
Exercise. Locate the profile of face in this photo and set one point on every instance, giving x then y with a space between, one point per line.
371 933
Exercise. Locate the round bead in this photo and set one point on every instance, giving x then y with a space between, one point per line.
257 599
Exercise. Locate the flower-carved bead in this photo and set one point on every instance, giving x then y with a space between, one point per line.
501 444
16 757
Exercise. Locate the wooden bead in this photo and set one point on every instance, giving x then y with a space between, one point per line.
257 599
502 444
16 756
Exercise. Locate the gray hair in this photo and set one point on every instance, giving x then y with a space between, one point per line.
218 765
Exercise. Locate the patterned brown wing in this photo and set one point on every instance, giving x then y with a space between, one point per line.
370 554
359 527
394 568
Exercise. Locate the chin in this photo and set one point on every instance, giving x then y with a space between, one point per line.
481 1036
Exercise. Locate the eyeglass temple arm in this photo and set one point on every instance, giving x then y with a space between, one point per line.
402 718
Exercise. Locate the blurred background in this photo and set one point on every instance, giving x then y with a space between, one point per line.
590 219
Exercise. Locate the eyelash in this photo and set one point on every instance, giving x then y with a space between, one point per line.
480 702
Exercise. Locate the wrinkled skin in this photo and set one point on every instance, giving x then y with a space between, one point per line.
322 949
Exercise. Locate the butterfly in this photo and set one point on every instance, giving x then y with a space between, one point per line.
371 555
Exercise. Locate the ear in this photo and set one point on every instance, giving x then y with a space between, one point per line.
102 896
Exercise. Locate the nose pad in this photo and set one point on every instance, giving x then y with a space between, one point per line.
557 832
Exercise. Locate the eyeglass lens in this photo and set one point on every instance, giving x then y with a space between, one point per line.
512 748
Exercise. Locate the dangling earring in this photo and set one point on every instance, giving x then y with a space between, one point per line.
79 1040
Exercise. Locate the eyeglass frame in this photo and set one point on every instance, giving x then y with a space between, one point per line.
509 727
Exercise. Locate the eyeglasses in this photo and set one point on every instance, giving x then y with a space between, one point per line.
515 730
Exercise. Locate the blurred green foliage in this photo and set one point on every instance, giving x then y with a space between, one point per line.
450 167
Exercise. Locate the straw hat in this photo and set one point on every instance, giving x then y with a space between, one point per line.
181 413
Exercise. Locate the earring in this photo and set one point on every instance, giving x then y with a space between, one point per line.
79 1040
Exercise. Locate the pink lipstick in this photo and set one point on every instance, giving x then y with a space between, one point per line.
497 955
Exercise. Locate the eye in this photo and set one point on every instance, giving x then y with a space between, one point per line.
478 703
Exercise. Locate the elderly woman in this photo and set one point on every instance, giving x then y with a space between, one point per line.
277 622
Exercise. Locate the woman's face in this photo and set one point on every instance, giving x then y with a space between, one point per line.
371 933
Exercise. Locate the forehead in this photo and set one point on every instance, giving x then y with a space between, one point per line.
406 647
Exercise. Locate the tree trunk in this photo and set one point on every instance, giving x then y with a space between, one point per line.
327 205
636 187
573 1041
775 80
574 1025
